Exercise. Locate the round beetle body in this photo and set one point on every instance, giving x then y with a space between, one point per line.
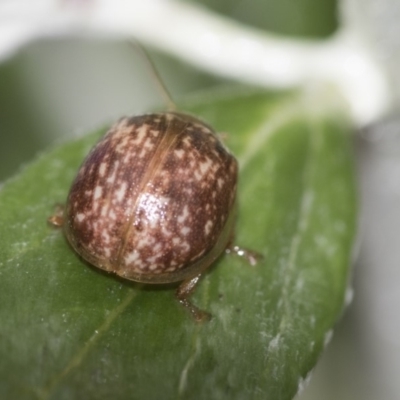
154 201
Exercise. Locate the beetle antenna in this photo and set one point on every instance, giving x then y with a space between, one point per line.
161 85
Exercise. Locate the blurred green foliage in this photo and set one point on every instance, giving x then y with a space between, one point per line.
307 18
19 127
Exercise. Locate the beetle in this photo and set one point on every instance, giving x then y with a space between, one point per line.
154 202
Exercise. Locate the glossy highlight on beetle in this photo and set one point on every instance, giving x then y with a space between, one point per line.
154 200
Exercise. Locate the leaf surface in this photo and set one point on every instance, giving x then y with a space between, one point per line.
70 331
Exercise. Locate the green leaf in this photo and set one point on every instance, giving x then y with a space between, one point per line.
69 331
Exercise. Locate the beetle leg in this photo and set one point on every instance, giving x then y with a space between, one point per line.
184 291
57 219
252 257
223 136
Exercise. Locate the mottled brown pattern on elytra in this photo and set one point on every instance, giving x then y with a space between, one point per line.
152 197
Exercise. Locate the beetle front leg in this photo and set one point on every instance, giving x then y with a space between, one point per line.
57 219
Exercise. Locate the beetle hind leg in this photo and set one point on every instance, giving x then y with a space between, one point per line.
184 291
252 257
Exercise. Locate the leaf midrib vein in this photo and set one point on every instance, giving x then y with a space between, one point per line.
276 117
